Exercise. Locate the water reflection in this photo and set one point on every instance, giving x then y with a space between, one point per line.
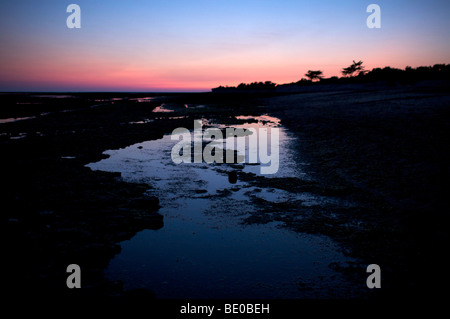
162 109
15 119
205 250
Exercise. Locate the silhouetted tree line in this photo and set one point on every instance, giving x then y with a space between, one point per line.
354 73
254 86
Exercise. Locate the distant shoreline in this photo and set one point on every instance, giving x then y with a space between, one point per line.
378 77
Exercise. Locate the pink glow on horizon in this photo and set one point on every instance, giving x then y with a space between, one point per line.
90 71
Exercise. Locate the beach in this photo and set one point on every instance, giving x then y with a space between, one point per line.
367 178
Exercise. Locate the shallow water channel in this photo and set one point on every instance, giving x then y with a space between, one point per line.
205 249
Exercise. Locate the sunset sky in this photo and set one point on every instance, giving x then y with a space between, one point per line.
179 45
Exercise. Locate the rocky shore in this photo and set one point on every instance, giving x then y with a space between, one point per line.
55 210
384 149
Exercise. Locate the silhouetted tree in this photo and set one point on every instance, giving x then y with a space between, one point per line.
356 67
314 75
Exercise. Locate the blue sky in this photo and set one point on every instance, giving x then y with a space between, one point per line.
195 45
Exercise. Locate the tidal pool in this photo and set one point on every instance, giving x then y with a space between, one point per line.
205 249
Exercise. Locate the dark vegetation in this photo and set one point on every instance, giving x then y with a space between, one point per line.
353 74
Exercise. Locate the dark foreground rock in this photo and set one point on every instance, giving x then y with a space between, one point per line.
55 211
383 150
386 151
